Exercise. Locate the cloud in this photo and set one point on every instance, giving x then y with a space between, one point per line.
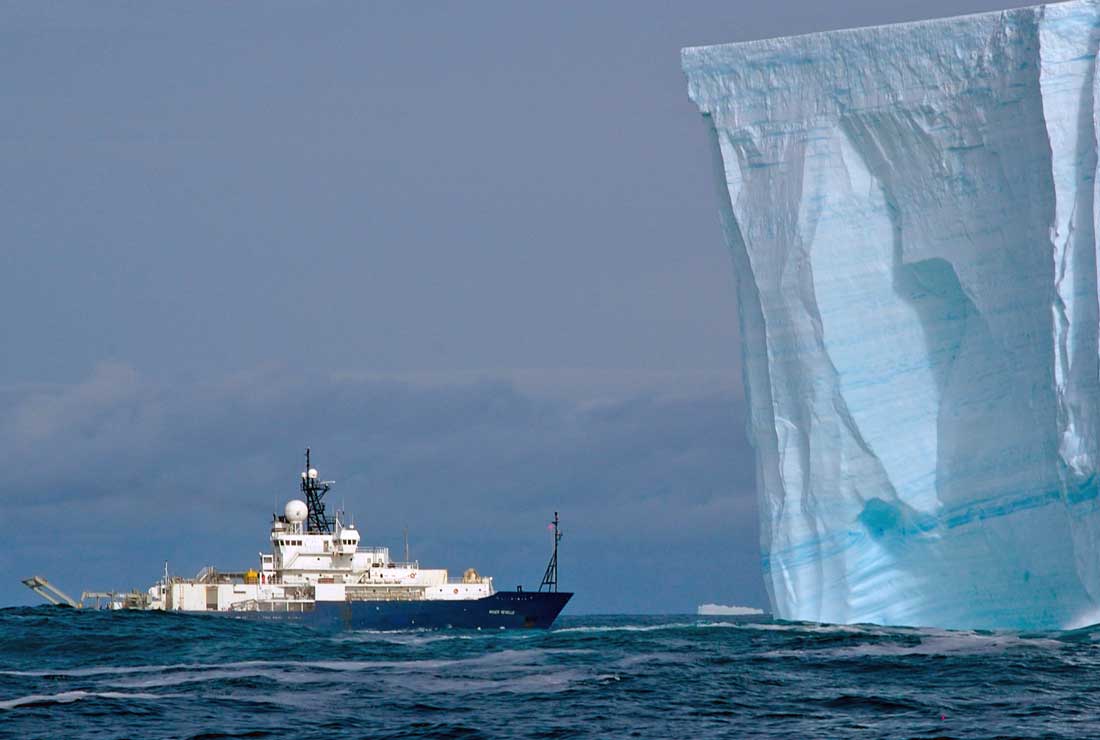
113 475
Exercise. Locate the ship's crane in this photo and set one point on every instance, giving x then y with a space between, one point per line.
50 592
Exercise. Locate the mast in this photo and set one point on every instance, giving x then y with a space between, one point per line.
314 490
550 578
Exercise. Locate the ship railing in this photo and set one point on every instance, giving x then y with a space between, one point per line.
384 593
411 565
273 605
212 575
284 606
457 581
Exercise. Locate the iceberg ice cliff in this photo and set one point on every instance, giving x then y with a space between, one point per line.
912 215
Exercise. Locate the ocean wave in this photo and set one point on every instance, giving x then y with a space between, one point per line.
593 678
67 697
925 642
631 627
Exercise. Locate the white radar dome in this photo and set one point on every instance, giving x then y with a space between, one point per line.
296 511
313 473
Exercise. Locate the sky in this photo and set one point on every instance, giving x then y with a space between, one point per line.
467 252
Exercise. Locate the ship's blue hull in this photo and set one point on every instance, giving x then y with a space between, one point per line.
502 610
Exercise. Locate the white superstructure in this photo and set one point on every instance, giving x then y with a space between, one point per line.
313 559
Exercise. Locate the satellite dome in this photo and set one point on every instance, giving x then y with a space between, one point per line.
296 511
313 473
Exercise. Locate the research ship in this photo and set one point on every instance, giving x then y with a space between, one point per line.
318 574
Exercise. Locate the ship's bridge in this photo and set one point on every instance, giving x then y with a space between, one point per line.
301 556
345 539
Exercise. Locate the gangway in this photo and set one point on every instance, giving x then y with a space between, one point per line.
50 592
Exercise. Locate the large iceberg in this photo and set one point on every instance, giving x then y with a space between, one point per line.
912 212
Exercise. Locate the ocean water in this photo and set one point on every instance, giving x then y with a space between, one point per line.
85 674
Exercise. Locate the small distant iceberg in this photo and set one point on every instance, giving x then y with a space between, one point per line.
725 610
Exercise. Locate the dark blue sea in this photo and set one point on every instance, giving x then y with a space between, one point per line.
87 674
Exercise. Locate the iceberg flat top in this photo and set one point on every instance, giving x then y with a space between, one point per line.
892 28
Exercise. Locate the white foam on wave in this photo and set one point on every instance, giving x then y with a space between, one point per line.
931 642
481 684
92 671
411 637
67 697
293 672
855 629
109 670
703 625
962 643
630 627
183 678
